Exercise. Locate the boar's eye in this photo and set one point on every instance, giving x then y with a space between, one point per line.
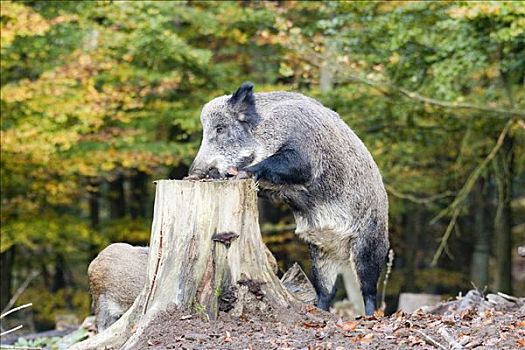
219 129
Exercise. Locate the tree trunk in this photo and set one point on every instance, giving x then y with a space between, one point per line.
94 215
6 274
412 230
479 267
503 222
138 194
94 204
117 199
206 253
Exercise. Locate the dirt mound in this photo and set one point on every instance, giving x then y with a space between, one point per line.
473 321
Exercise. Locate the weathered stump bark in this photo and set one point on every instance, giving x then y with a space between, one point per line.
206 255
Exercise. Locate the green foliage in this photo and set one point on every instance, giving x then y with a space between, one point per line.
96 91
53 343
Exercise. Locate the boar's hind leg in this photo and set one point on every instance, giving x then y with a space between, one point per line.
286 166
324 273
369 255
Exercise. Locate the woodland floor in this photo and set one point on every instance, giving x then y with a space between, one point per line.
487 326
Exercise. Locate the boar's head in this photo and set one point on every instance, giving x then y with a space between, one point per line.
228 141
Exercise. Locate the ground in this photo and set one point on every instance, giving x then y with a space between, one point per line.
450 326
474 321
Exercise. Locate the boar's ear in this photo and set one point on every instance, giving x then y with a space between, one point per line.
243 98
243 95
243 102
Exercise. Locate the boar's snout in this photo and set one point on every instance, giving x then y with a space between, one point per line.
201 170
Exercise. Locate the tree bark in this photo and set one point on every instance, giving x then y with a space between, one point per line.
117 198
503 221
6 274
94 215
94 204
138 195
479 267
412 230
206 254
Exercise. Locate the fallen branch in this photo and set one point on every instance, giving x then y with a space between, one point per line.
430 340
10 312
19 291
11 330
454 345
14 347
15 309
389 265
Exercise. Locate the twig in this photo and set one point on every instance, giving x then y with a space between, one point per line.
11 330
444 238
389 265
419 200
465 190
385 86
15 309
20 290
431 341
508 297
314 58
473 177
454 345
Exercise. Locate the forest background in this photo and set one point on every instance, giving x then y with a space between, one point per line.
101 98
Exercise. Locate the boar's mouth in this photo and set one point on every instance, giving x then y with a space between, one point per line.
198 171
245 161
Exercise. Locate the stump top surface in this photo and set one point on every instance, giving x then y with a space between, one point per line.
242 184
218 181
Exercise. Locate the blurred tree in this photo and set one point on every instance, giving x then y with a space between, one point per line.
100 98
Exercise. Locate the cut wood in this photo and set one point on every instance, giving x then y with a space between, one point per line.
206 255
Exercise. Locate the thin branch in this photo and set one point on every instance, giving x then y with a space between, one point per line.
386 87
419 200
11 330
314 58
19 291
444 238
430 340
465 190
473 177
15 309
454 345
389 265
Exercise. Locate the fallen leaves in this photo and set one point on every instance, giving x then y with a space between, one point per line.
348 326
459 328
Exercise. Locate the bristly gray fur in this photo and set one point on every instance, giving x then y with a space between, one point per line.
339 203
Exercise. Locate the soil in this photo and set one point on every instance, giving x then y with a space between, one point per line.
497 326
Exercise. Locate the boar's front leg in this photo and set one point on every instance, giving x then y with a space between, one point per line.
324 272
287 166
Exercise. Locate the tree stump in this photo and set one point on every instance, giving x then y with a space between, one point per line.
206 254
